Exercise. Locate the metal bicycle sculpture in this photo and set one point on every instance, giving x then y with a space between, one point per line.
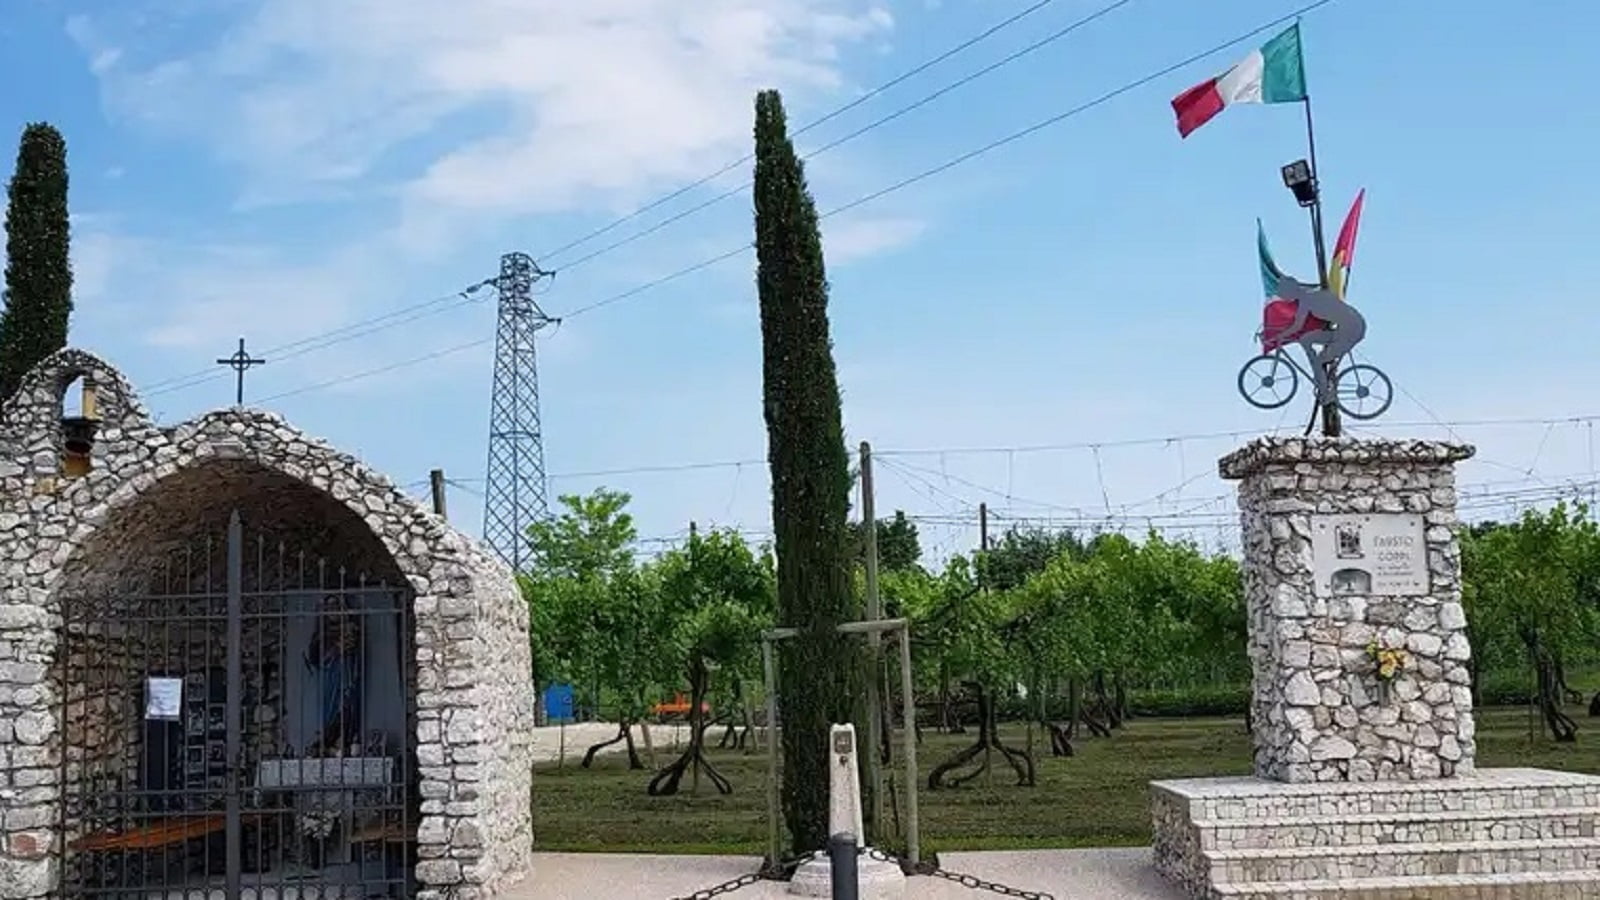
1272 379
1328 329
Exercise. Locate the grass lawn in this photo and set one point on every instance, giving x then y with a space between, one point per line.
1097 798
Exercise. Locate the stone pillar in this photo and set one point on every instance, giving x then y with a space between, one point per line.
1350 546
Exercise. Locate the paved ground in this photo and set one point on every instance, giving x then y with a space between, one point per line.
1065 874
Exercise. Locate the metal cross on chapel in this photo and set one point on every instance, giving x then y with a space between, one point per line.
240 362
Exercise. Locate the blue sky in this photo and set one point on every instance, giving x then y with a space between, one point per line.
279 168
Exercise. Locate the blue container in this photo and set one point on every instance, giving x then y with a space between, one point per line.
558 702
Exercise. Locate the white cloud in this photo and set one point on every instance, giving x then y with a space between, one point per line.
96 254
188 298
854 239
440 122
555 101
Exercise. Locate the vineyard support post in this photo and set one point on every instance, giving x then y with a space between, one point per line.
769 639
908 711
872 759
774 832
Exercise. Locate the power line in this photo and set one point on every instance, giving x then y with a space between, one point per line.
464 295
971 154
1174 440
680 467
1222 435
1488 502
323 340
1076 110
1188 521
931 490
368 373
907 182
655 283
870 126
828 117
909 469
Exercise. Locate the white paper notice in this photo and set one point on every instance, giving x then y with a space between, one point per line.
163 698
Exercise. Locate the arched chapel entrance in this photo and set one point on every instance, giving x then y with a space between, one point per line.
233 658
238 678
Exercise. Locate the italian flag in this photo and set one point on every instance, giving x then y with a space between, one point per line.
1275 73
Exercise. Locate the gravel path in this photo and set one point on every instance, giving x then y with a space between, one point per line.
578 737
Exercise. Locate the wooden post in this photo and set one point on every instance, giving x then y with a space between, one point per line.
983 527
872 760
908 706
436 481
774 849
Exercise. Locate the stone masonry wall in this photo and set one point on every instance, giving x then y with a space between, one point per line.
1319 712
64 537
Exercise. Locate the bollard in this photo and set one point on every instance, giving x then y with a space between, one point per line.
842 851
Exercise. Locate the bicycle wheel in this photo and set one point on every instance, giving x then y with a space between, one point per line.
1364 392
1268 381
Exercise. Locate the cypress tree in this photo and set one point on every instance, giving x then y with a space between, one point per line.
38 291
810 475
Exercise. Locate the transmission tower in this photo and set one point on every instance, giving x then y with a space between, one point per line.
515 491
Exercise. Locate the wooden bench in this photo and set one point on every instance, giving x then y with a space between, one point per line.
164 833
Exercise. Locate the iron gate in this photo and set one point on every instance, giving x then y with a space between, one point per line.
239 729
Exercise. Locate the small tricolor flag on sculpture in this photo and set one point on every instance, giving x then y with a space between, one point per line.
1273 74
1344 249
1270 273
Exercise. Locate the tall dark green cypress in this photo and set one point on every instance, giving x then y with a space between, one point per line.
810 475
38 292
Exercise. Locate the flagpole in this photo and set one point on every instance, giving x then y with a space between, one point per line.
1331 426
1316 203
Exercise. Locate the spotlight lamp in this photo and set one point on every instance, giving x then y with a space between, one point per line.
1298 179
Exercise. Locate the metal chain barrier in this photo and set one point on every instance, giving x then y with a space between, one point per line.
978 884
967 881
727 887
767 873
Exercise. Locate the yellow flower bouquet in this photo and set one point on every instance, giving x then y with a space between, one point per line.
1389 661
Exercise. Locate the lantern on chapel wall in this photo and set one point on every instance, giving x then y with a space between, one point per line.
78 433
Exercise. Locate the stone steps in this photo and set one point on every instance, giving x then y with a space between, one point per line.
1382 829
1405 860
1514 886
1510 789
1515 833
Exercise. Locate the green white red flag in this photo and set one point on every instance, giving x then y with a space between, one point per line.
1274 73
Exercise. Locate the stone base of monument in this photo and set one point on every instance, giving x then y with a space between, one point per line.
879 880
1524 833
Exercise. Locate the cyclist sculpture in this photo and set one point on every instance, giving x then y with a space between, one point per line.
1325 326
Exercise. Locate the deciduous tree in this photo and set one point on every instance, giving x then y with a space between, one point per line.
718 596
899 548
1528 584
595 620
